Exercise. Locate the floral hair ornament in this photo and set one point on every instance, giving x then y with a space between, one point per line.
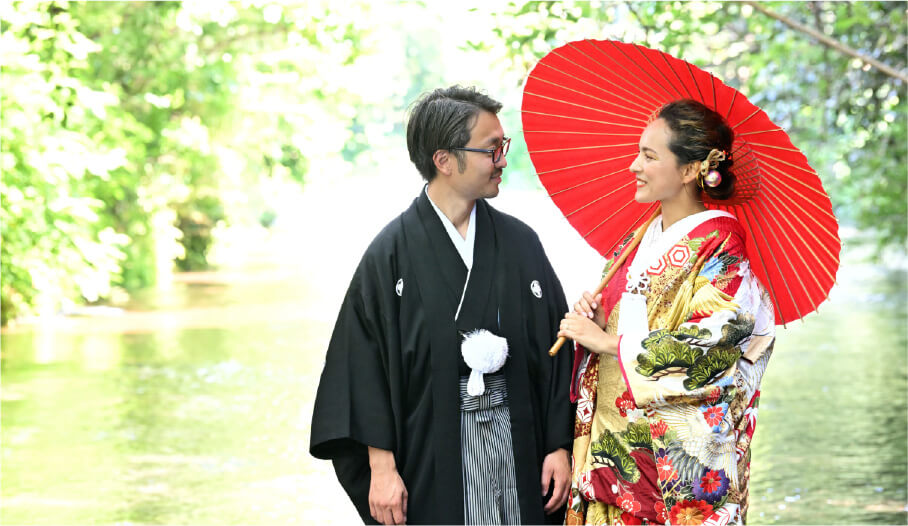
708 175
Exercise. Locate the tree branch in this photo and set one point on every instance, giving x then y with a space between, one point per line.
647 28
825 40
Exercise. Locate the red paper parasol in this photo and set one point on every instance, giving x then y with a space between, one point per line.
585 105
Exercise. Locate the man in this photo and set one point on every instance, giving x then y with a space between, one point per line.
417 435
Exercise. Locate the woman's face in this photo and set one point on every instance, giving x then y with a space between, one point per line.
659 178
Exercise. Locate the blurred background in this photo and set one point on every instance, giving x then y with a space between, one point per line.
187 187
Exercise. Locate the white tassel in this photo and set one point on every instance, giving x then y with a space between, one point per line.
485 353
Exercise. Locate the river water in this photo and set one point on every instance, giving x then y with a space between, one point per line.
192 405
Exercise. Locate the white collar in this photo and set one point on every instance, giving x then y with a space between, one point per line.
464 246
656 242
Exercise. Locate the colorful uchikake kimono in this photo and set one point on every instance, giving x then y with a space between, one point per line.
663 432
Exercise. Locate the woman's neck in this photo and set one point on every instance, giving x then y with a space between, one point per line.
675 210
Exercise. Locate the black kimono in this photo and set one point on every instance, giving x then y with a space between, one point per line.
392 368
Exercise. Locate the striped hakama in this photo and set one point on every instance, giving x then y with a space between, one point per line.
489 476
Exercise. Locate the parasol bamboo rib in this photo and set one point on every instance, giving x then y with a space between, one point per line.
578 50
590 147
750 159
659 70
696 84
731 105
770 183
598 161
712 84
773 173
611 271
601 197
639 80
670 68
755 132
615 62
642 109
525 131
577 104
601 177
636 95
775 147
800 256
801 168
768 284
784 253
637 127
776 262
756 111
809 231
607 218
740 165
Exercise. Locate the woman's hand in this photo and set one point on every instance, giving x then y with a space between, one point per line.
591 307
583 330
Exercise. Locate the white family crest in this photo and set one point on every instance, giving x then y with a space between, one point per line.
536 289
399 288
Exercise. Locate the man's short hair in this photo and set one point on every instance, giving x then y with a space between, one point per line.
443 119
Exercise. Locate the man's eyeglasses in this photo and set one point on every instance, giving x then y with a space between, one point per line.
497 153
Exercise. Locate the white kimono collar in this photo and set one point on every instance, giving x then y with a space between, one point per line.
464 246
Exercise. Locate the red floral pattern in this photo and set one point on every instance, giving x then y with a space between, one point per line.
713 395
659 507
625 403
714 415
658 429
690 512
666 469
710 481
627 503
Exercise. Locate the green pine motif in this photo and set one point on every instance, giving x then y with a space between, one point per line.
695 243
693 334
664 350
711 365
737 329
608 451
638 434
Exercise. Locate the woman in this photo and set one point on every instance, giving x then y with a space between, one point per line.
675 346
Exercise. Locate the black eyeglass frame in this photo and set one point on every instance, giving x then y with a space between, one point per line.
501 150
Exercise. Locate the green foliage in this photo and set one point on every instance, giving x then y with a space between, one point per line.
847 117
664 350
710 366
117 120
195 219
737 329
609 451
52 218
132 131
638 434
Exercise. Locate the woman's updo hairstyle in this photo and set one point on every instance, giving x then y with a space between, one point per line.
697 130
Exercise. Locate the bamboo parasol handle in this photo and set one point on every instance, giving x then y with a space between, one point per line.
638 235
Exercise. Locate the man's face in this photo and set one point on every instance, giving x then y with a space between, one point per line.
480 177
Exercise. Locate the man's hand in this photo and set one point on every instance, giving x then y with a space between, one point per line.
556 469
387 493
